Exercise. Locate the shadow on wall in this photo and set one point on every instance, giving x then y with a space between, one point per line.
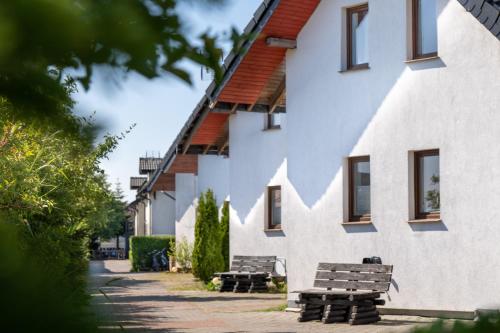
345 117
257 160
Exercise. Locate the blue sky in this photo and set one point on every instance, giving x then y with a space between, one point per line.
159 107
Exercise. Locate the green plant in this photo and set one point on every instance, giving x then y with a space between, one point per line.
278 286
211 286
485 324
207 254
224 228
141 248
182 251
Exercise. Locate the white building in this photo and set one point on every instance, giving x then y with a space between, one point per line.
154 210
186 173
387 148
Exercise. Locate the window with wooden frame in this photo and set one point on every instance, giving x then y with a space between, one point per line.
359 189
274 207
357 37
273 120
424 29
427 196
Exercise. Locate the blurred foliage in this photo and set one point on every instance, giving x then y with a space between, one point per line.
36 294
485 324
43 41
53 196
141 248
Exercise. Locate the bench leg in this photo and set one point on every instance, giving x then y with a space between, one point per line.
364 312
335 314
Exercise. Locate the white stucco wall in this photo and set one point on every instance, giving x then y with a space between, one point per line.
163 213
213 173
185 205
451 103
257 160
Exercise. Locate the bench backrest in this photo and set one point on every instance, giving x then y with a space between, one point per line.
372 277
253 264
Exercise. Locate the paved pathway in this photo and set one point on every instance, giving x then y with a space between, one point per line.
154 302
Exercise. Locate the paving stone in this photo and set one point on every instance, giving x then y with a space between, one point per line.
143 302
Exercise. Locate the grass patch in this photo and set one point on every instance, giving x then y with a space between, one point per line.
279 308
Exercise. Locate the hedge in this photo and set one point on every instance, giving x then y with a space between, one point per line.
142 246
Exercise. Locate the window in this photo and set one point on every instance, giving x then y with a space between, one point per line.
424 22
357 37
359 189
427 198
273 120
274 207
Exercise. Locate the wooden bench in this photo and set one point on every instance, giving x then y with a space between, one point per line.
351 293
247 274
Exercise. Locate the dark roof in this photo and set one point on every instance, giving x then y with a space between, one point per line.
487 12
137 182
148 164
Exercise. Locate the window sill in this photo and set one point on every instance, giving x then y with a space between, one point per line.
412 61
273 230
272 128
357 223
426 221
354 69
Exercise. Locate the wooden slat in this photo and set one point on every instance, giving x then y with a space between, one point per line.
255 257
327 275
379 286
370 268
252 263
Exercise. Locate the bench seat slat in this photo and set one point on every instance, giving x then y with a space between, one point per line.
378 286
334 292
369 268
252 263
378 277
260 258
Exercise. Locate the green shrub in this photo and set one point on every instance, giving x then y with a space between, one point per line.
40 293
224 228
207 253
141 248
182 251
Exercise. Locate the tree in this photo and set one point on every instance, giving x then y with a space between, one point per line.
207 253
224 228
50 42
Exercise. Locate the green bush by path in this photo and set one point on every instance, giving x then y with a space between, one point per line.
207 253
142 246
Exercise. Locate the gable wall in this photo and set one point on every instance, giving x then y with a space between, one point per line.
451 103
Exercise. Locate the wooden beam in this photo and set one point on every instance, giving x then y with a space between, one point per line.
207 148
225 108
281 42
187 143
233 109
277 95
221 149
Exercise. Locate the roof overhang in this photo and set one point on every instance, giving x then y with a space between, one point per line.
253 81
